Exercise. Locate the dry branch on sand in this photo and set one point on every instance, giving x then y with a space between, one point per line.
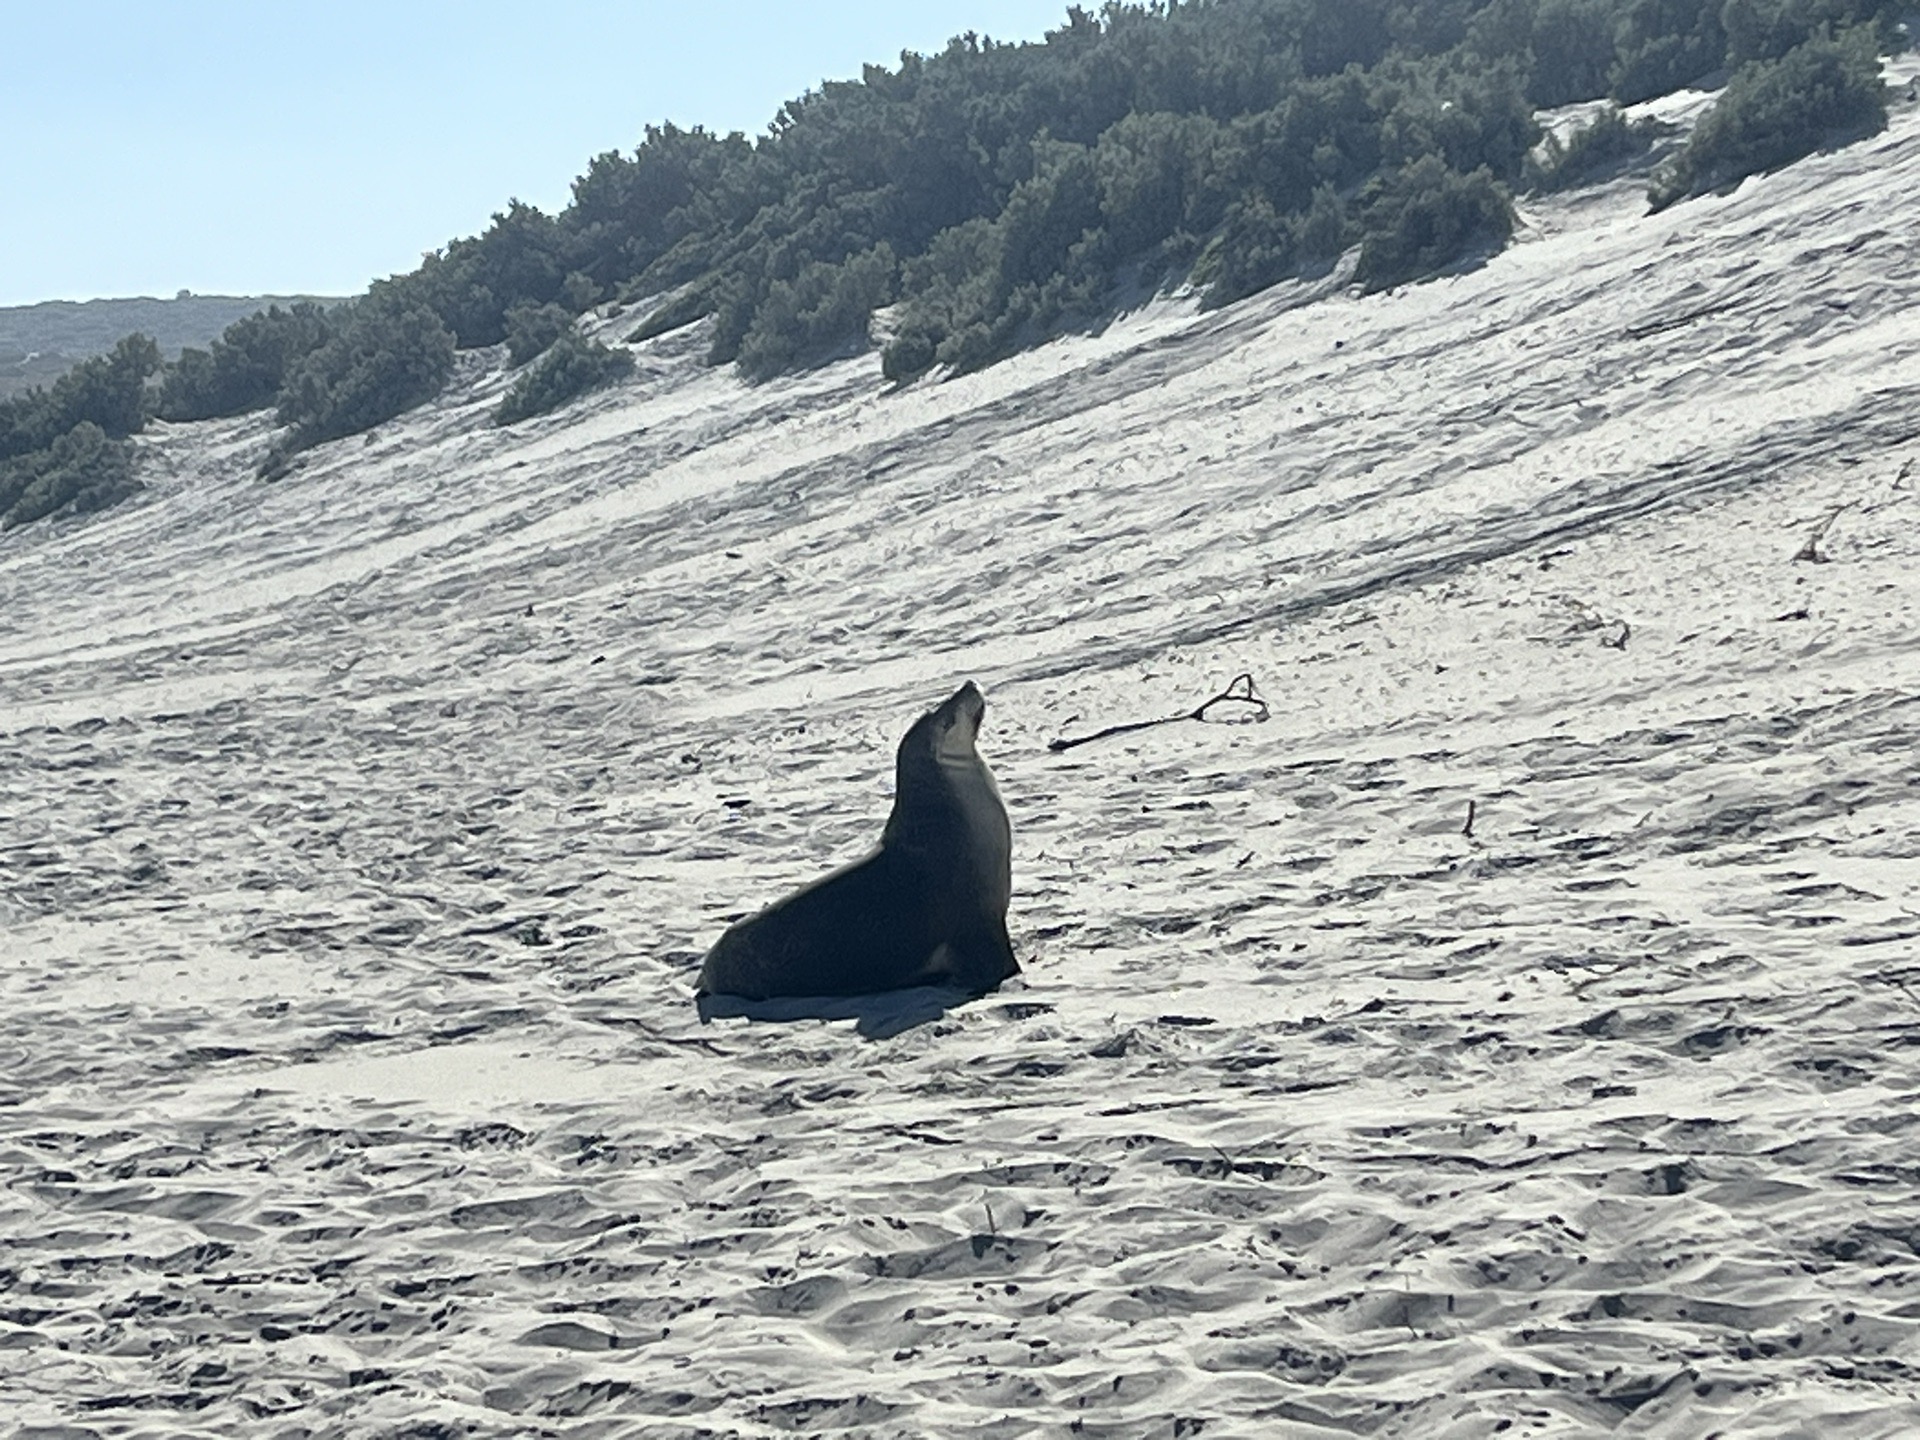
1239 691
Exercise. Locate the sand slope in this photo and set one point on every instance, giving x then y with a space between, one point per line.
360 835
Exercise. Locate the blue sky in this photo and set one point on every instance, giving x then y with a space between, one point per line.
296 147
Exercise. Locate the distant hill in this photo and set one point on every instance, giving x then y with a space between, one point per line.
39 342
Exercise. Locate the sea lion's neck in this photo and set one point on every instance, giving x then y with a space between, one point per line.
947 807
923 804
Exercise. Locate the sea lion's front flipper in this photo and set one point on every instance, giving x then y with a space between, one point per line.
975 963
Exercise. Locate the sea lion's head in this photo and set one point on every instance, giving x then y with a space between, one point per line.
957 724
943 738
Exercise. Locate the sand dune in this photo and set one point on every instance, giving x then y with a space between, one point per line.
363 832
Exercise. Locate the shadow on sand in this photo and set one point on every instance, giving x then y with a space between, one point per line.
879 1017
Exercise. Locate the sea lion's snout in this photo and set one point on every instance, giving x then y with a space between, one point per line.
953 725
964 709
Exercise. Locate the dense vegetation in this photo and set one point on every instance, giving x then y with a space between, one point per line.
81 470
245 368
108 391
65 448
993 193
532 328
1425 215
571 367
1775 111
383 354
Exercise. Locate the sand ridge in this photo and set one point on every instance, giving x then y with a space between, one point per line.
362 833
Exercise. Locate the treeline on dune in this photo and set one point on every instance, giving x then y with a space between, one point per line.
994 194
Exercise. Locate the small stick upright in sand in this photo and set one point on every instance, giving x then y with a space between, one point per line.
1467 829
1810 551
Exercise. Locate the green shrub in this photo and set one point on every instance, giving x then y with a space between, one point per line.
1425 217
1768 29
947 287
910 353
1607 141
987 286
244 369
1325 230
1256 248
1158 176
1573 49
108 391
572 366
1319 132
1664 44
824 310
1046 215
81 471
388 353
981 342
1468 119
532 328
472 284
736 295
1341 33
627 214
1774 112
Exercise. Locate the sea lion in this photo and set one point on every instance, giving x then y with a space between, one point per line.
929 907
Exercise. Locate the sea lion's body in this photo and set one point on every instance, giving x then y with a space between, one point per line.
929 907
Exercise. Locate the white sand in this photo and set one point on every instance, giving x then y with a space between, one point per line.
360 835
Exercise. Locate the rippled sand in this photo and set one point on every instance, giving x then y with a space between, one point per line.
360 835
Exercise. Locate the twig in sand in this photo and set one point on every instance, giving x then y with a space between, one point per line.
1810 551
1467 829
1239 692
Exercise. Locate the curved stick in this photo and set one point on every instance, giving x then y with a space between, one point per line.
1239 691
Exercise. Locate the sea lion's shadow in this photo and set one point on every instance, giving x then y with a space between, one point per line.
877 1017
